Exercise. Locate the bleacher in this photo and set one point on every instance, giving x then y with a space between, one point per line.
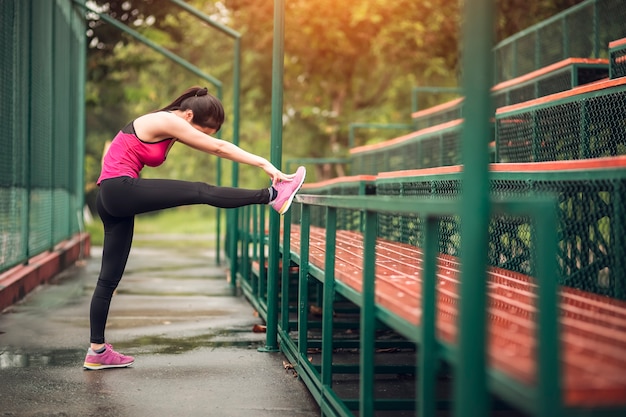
371 305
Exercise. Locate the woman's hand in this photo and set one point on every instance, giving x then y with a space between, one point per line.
276 175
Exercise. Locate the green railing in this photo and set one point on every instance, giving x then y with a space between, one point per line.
582 31
541 399
431 147
284 283
42 77
590 210
573 125
617 57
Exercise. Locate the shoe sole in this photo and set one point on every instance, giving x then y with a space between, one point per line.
287 203
95 367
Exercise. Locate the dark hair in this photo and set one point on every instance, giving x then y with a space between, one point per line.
207 110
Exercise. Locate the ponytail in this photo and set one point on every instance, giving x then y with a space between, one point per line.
207 110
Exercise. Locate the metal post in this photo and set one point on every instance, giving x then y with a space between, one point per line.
471 397
303 282
233 214
328 298
428 355
549 397
79 97
275 157
368 318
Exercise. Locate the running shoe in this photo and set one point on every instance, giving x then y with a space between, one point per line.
107 359
287 191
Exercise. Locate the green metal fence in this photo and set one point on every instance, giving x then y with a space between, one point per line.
42 81
590 212
583 31
481 261
426 148
617 56
576 125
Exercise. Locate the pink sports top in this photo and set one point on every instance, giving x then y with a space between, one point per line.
128 154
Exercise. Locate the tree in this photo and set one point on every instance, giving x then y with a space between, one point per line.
345 62
349 62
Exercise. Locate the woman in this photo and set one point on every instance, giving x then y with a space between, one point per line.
191 119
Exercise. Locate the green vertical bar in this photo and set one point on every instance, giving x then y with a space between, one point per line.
514 53
565 40
471 397
368 320
284 298
303 281
535 139
27 12
441 149
260 290
79 78
419 159
427 365
256 250
234 213
550 400
618 237
244 225
414 100
596 31
278 55
218 233
351 136
585 149
328 296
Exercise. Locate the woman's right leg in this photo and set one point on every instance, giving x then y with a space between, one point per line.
118 236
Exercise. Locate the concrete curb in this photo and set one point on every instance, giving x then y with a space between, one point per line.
22 279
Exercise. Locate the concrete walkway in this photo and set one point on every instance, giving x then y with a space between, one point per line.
194 346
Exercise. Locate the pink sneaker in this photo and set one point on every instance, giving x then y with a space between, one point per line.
107 359
287 191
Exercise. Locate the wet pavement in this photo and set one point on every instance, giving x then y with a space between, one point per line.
193 341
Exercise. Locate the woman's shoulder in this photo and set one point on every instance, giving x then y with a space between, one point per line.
157 115
156 126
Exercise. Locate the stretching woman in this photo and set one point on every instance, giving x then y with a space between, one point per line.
191 119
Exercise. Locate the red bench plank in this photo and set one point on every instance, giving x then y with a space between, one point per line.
593 327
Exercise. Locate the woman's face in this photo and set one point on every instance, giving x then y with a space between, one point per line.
206 130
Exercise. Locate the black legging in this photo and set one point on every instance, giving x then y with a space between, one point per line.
120 199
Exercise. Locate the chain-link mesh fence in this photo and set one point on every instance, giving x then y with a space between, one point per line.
346 219
436 115
591 229
583 31
589 124
426 148
559 77
617 56
41 77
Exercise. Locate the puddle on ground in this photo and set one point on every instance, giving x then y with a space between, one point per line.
19 358
171 345
22 359
136 269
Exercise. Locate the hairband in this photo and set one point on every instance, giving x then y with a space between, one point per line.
202 92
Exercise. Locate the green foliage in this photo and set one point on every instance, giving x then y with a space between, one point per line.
345 62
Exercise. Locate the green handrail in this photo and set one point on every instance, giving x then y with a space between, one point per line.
173 57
